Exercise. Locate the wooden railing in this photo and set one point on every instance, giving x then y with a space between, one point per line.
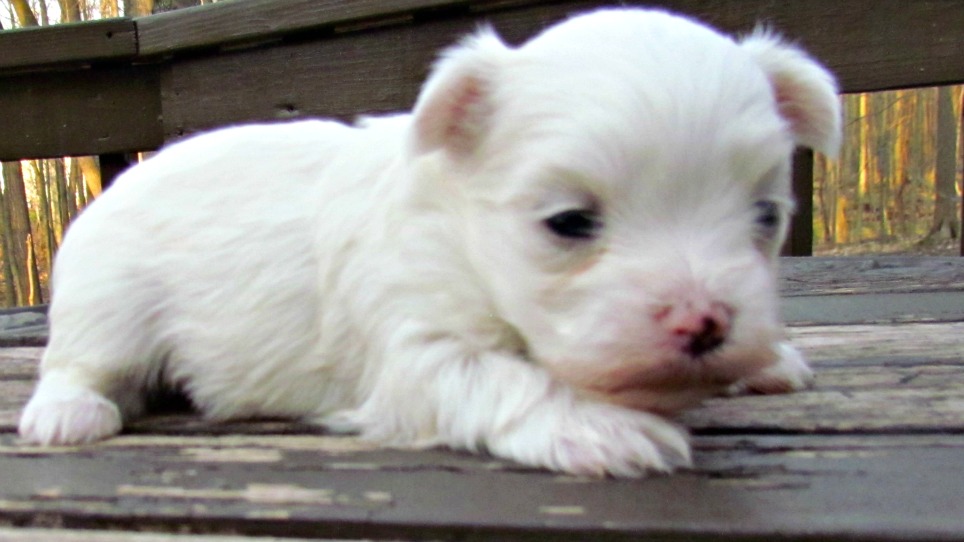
115 86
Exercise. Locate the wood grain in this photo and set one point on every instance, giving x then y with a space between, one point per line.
887 44
870 274
90 111
381 69
64 535
255 21
66 44
804 488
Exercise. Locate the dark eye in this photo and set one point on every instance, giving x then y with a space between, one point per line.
768 216
575 224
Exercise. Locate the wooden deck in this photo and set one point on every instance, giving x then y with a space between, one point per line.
874 452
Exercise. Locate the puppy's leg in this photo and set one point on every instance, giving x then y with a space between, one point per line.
790 373
88 382
66 409
438 393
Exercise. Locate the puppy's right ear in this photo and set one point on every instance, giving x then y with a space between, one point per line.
454 108
806 93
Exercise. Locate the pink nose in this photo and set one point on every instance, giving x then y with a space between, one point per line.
696 330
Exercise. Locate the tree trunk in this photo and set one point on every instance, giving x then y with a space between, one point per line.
19 232
69 11
91 169
899 165
61 210
822 186
138 8
945 197
9 293
34 292
24 13
108 8
75 186
45 216
44 16
882 163
960 139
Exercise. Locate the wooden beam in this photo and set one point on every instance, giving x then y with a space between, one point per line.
869 44
90 41
887 43
345 74
80 112
254 21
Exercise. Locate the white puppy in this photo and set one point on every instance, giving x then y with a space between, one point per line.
561 243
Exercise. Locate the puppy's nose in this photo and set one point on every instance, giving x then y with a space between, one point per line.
696 331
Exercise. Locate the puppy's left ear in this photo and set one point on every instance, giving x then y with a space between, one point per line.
454 108
805 91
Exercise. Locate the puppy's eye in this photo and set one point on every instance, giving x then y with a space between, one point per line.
575 224
768 217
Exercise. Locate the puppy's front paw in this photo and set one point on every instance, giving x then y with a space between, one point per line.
790 373
62 415
596 439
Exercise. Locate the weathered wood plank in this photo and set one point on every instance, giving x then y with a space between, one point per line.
258 20
25 326
64 44
887 44
19 363
80 112
339 77
897 344
870 274
813 488
377 71
875 308
63 535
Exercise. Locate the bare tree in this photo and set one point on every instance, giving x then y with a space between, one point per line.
24 13
69 11
945 197
108 8
9 293
138 8
19 238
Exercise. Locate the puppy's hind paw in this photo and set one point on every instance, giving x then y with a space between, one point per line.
77 416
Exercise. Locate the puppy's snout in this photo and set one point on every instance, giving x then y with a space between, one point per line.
696 330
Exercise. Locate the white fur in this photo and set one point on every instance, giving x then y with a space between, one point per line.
398 277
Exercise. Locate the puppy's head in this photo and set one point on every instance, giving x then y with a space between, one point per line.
624 180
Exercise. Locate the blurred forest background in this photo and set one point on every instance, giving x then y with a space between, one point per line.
895 188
